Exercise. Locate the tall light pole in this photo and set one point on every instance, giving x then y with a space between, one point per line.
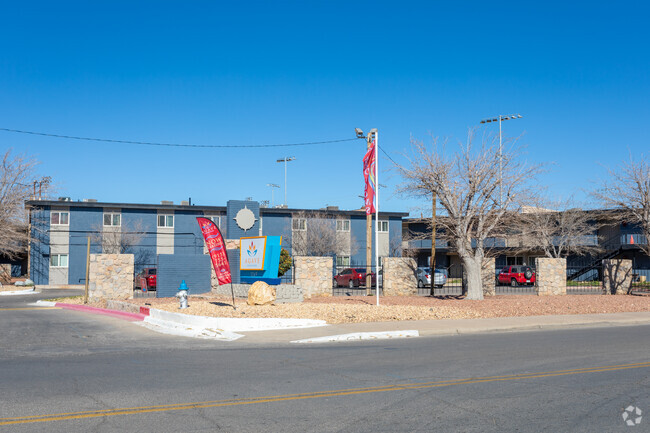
500 119
285 160
373 136
272 185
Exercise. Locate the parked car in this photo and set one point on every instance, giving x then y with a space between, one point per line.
146 279
515 275
424 277
353 277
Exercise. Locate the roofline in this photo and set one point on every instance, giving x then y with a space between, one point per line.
263 210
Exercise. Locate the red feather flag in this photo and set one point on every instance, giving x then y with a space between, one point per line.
217 249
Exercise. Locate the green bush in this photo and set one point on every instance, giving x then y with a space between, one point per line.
285 262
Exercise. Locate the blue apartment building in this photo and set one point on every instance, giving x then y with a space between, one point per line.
60 230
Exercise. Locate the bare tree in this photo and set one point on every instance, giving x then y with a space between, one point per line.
476 186
558 229
17 184
319 237
118 239
628 190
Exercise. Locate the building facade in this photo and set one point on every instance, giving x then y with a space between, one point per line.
60 231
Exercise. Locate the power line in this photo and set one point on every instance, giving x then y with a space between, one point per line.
149 143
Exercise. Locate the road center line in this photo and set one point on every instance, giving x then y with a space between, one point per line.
318 394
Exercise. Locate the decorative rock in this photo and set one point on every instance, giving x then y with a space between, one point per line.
261 293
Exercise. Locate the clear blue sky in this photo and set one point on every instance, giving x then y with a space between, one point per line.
242 73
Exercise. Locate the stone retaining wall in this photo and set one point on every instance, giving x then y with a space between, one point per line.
399 276
314 275
284 293
617 276
550 276
110 276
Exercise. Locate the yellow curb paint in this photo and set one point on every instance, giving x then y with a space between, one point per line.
319 394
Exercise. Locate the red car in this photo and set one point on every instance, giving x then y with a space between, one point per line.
146 279
352 277
515 275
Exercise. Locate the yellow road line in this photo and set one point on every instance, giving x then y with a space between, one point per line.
30 308
318 394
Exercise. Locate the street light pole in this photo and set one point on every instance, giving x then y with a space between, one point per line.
285 159
272 185
500 119
372 136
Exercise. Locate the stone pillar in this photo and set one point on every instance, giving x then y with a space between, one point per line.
617 276
314 275
110 276
550 276
488 277
398 277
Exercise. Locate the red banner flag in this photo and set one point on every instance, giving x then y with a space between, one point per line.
369 176
216 248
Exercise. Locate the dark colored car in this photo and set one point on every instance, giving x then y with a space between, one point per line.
146 279
352 277
515 275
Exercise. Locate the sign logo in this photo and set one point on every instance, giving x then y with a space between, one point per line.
632 416
251 253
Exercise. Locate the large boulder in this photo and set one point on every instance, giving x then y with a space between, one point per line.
261 293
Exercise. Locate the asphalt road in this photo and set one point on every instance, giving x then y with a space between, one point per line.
69 371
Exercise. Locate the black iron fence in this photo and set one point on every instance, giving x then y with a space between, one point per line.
445 281
586 283
351 280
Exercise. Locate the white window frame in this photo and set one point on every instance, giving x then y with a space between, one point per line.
302 224
341 262
60 212
166 220
383 223
58 260
215 219
112 216
341 225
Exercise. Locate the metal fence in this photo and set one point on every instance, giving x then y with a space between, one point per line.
452 282
587 283
640 281
345 281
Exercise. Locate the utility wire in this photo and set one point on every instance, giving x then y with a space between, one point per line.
148 143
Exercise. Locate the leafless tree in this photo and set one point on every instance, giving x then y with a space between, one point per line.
627 190
319 236
119 239
18 182
558 229
476 186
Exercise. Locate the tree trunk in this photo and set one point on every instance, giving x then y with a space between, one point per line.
472 270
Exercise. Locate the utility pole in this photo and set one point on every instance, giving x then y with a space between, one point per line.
433 243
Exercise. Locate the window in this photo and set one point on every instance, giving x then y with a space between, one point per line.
299 224
166 221
514 260
342 260
216 219
342 225
112 219
59 260
59 218
383 226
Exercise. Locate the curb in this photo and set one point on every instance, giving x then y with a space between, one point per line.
356 336
31 291
131 317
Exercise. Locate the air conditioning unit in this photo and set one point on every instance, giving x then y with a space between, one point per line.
65 199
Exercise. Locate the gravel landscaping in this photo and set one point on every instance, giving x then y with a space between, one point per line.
363 309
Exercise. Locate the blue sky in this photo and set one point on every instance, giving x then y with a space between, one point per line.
244 73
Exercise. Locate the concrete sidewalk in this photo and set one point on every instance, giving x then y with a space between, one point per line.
281 331
452 327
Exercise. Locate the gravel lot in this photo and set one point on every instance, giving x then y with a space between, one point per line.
363 309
